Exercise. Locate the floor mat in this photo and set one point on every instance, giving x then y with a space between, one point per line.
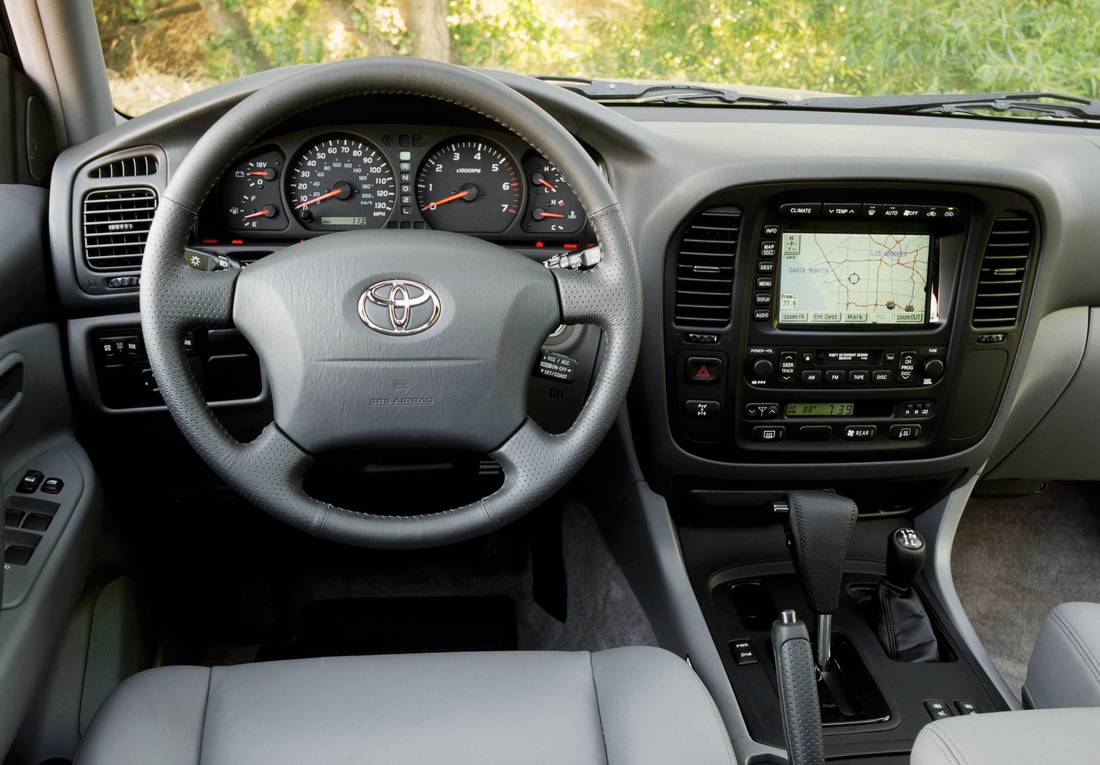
364 626
1015 558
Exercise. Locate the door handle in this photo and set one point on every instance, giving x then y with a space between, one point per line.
11 389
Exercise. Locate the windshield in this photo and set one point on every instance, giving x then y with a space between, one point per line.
160 50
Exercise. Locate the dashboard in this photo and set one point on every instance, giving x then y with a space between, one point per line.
822 292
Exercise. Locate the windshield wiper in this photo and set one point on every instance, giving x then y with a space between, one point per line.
619 91
1054 105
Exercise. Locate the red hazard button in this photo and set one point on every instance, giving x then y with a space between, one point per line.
704 369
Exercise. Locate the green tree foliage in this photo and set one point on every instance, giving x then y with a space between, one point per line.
857 46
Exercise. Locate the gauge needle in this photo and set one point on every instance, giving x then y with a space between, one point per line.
543 182
467 192
263 212
539 214
318 198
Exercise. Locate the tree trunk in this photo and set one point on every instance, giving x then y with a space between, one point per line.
234 26
426 21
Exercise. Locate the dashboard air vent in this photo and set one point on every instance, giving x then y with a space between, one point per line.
704 268
116 225
127 167
1004 272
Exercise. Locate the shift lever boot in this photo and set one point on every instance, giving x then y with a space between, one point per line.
903 626
821 525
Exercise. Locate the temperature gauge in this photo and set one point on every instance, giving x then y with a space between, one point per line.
552 207
251 194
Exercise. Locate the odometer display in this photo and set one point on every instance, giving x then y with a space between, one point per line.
341 182
469 185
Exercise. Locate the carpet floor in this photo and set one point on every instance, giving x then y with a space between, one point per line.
1015 558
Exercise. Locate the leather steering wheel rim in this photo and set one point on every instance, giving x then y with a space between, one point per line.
269 471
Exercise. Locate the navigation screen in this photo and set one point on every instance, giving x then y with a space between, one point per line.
853 278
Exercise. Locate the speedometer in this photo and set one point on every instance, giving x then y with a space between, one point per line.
469 184
341 182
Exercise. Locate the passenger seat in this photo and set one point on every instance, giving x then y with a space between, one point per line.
1062 691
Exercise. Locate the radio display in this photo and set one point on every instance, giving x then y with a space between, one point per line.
820 410
853 278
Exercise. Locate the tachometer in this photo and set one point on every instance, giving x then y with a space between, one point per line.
469 184
341 182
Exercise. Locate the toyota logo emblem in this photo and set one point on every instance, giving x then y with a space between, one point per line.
399 307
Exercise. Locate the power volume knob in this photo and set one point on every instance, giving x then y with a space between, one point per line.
762 367
933 368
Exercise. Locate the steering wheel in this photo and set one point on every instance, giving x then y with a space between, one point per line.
390 338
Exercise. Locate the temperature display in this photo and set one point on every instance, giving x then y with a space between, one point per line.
820 410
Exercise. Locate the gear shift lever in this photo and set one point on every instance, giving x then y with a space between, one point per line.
821 525
901 621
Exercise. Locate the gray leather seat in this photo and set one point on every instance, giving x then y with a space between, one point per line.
636 706
1064 670
1029 737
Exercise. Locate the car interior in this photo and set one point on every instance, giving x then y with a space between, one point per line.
393 411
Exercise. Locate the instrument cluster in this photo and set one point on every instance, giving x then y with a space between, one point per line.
481 182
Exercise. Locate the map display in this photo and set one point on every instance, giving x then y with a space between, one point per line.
853 278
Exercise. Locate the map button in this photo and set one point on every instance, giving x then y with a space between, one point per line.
768 248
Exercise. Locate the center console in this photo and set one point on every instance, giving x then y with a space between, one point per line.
862 320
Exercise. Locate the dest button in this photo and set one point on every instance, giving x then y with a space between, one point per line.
704 369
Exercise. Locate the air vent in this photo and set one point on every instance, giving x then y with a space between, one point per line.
704 268
128 167
116 225
1004 273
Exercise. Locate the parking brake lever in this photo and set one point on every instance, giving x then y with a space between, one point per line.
797 682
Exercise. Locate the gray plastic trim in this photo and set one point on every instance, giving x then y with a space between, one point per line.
939 524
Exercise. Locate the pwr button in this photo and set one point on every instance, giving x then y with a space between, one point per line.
704 369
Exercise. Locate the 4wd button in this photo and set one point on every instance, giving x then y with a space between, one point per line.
860 432
704 369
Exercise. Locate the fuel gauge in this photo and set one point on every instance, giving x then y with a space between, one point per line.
552 207
251 194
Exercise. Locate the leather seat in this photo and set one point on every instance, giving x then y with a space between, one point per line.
642 706
1064 670
1028 737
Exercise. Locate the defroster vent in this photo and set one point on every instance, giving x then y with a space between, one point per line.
116 225
705 257
1004 272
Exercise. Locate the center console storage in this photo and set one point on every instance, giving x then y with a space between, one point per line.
845 321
